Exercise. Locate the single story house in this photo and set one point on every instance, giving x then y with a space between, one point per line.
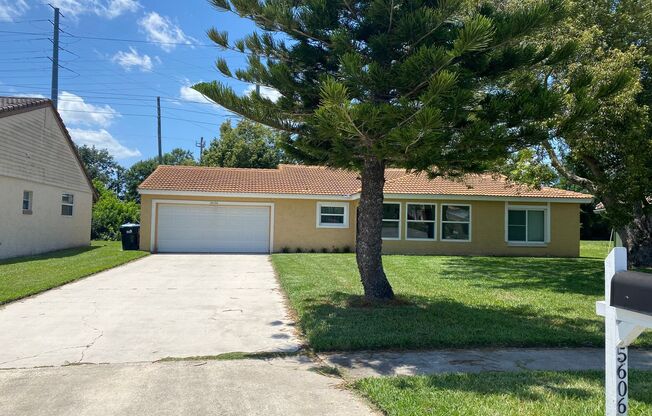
204 209
47 195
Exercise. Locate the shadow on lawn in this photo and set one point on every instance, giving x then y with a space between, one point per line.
334 324
581 276
529 385
59 254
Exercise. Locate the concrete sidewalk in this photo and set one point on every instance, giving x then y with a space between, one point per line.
356 365
288 386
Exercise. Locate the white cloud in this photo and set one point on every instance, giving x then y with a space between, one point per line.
102 139
266 92
75 111
11 9
103 8
132 59
161 29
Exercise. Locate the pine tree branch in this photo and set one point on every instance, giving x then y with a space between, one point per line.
559 166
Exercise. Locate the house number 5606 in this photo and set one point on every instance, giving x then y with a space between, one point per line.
621 384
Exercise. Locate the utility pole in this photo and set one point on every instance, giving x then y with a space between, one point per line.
201 146
54 94
158 118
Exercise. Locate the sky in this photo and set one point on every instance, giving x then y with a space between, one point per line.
116 57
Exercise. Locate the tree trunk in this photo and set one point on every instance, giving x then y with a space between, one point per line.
637 238
368 248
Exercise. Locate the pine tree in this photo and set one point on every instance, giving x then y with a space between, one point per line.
414 84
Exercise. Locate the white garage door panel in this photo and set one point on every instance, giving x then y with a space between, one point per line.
213 228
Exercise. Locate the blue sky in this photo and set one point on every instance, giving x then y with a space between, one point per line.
117 56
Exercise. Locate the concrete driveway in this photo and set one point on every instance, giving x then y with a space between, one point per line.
160 306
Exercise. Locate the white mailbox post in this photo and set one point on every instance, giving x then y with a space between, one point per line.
627 310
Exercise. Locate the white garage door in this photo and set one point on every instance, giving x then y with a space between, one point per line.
213 229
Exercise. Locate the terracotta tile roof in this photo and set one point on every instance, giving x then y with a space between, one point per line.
317 180
18 103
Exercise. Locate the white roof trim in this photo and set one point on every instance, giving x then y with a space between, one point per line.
356 196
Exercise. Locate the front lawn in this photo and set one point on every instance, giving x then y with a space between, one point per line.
505 394
449 301
24 276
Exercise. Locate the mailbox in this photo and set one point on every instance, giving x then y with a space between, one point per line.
632 291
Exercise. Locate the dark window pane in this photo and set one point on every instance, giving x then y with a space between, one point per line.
421 212
453 231
332 210
390 229
67 198
332 219
66 209
425 230
516 233
391 211
456 213
516 217
535 226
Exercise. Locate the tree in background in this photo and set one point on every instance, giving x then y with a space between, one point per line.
101 165
369 84
600 140
109 213
139 171
248 145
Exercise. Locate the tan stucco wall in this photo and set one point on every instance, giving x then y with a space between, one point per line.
294 223
488 233
45 229
295 227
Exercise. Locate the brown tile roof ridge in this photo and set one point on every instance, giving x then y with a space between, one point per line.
10 104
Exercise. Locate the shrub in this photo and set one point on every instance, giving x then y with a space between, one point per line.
298 250
109 213
346 249
285 250
336 249
312 250
324 250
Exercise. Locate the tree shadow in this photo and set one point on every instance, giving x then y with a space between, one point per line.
418 322
580 276
58 254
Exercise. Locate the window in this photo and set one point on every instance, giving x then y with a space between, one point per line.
27 202
456 223
526 225
332 215
391 221
420 222
67 203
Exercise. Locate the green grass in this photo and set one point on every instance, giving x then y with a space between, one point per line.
449 301
595 249
25 276
504 394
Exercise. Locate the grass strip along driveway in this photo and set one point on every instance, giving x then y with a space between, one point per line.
505 394
450 301
25 276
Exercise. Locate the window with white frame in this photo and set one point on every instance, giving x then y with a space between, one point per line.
67 204
420 221
332 215
391 221
526 225
455 222
27 202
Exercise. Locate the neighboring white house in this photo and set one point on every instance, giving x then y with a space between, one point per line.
46 195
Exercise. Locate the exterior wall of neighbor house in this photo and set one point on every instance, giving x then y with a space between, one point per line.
295 223
36 156
295 226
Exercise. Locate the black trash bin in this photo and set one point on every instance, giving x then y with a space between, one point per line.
130 236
